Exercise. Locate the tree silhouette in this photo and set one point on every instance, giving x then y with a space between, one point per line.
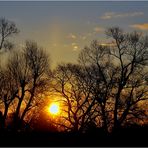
38 62
78 108
131 50
106 89
28 69
120 72
102 75
7 29
8 91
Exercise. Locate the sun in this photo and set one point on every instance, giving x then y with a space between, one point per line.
54 109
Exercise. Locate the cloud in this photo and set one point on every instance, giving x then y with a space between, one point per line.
110 15
86 36
140 26
75 48
72 36
98 29
73 44
83 37
107 44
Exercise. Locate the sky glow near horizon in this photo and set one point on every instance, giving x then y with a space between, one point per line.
64 28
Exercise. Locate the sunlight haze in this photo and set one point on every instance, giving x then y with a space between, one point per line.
64 28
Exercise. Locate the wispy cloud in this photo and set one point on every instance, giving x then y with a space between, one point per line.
73 44
98 29
83 37
72 36
140 26
110 15
75 47
107 44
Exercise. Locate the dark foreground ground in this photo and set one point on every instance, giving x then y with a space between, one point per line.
135 137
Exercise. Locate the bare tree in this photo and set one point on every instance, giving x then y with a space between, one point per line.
28 69
78 108
102 75
38 62
8 91
131 52
120 73
7 29
17 66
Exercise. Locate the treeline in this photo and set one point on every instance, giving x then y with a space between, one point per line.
106 89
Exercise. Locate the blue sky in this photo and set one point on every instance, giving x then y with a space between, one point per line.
64 28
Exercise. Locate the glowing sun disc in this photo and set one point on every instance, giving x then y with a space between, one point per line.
54 108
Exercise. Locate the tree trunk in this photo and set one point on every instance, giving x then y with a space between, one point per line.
16 119
116 123
104 119
30 100
5 114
